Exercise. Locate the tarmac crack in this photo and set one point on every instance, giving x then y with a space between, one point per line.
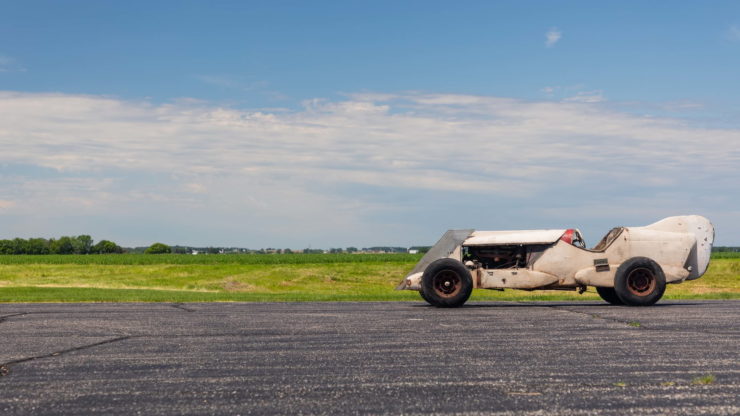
5 367
632 324
181 307
5 317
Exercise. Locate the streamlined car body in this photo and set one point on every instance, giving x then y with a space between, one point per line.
629 266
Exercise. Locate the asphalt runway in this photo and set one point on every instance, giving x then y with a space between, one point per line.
524 358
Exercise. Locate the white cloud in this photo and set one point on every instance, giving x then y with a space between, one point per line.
552 37
339 169
9 64
595 96
682 105
195 188
218 81
733 33
549 91
229 82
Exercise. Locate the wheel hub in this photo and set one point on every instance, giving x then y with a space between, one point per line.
641 282
447 283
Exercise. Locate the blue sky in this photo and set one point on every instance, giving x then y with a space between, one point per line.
329 124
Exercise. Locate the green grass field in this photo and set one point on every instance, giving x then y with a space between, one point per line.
319 277
140 259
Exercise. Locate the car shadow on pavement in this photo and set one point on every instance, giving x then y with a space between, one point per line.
540 304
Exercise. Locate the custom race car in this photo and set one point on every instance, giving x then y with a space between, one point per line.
629 266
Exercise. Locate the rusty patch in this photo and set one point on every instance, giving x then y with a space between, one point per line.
447 283
641 282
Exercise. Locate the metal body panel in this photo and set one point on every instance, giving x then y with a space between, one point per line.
486 238
564 260
680 245
411 282
591 277
516 279
447 246
703 233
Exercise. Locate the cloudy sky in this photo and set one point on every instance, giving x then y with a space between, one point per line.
297 124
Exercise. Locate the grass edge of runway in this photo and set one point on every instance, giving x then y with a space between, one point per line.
338 281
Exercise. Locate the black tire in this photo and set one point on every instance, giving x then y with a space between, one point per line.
446 283
423 296
609 295
639 281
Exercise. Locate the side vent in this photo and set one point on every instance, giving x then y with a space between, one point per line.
601 265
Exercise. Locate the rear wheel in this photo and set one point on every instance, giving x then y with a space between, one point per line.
639 281
609 295
446 283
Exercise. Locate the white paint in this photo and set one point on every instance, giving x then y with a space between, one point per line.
413 282
702 233
485 238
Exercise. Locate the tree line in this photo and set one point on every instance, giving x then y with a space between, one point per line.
84 244
724 249
81 244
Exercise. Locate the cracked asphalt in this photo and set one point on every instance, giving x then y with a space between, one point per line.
536 358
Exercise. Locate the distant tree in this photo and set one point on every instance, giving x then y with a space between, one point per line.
351 249
19 246
106 247
180 250
287 251
37 246
158 248
420 249
62 246
6 247
722 249
82 244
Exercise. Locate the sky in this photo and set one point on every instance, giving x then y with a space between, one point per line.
296 124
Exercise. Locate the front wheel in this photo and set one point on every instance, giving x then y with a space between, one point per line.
423 296
639 281
446 283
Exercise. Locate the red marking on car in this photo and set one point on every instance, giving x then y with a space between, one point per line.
568 236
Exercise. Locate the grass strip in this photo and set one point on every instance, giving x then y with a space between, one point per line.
323 281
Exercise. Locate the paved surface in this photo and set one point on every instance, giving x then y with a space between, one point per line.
369 358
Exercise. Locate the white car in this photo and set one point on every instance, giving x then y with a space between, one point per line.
629 266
